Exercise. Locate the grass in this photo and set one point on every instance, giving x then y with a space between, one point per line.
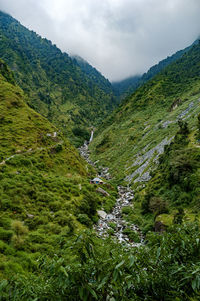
46 198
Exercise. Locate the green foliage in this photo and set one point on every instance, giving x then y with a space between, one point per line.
82 134
166 268
175 183
45 195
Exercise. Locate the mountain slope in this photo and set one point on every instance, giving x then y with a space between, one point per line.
45 194
94 75
136 133
56 86
175 183
128 86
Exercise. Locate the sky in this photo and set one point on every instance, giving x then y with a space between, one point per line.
120 38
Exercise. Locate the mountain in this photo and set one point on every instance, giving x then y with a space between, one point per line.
45 196
48 247
55 84
131 139
127 86
151 143
94 75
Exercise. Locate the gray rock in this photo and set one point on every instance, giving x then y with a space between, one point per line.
102 213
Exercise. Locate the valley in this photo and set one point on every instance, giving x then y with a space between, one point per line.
100 181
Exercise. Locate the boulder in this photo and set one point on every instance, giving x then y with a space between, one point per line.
102 214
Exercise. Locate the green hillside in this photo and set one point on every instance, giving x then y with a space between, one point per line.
172 195
93 74
130 140
45 194
64 238
56 86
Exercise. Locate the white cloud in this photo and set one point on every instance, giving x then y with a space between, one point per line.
118 37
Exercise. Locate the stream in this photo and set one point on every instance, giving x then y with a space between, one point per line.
113 223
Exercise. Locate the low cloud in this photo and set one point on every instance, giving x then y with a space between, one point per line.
119 37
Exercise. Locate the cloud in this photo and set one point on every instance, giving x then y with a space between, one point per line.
119 37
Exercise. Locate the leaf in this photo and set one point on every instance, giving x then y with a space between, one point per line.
115 275
3 284
103 281
92 292
81 291
158 253
132 260
119 264
194 284
64 271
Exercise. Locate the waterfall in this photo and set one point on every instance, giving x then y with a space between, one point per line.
91 137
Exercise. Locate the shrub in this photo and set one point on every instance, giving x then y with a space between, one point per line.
132 235
5 235
158 206
20 231
58 148
84 219
127 209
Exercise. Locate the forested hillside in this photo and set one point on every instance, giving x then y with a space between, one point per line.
128 86
93 74
56 86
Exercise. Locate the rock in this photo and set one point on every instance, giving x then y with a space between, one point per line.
30 215
102 213
102 191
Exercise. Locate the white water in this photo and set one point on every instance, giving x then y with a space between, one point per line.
91 137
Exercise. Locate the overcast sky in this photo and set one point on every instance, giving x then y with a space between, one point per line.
118 37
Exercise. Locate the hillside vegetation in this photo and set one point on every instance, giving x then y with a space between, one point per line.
131 139
172 195
56 86
50 247
45 195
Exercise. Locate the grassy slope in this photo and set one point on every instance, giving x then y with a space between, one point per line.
45 195
56 86
137 125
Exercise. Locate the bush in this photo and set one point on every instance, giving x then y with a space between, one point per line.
84 219
132 235
5 235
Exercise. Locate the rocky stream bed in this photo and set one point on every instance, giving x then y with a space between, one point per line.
113 223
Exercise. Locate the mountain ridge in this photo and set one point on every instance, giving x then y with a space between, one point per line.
127 86
56 86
